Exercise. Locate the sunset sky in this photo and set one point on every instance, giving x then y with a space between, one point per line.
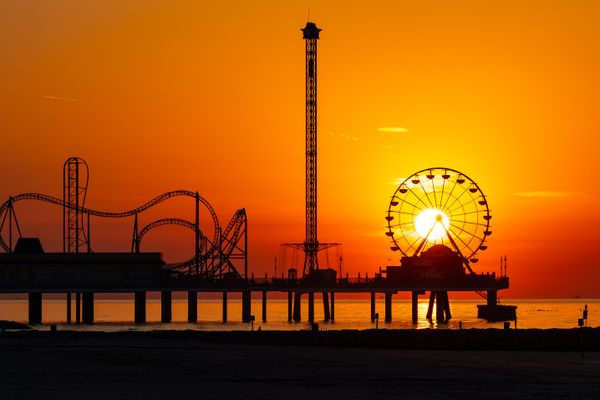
209 96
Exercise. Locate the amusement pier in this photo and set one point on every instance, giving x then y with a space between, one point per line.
438 220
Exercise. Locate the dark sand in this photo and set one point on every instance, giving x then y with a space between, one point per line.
145 365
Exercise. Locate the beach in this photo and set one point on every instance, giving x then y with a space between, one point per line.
303 364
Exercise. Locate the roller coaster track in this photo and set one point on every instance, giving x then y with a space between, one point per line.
160 222
219 257
105 214
174 221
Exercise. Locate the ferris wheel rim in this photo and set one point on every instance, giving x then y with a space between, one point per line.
470 245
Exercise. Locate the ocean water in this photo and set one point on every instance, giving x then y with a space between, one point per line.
114 315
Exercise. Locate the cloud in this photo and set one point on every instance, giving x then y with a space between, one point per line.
546 194
386 146
352 138
59 98
392 129
398 181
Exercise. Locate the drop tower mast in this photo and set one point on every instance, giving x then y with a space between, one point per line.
311 243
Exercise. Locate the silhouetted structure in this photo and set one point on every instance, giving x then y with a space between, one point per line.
439 218
311 243
217 256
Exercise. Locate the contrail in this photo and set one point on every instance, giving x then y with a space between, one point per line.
59 98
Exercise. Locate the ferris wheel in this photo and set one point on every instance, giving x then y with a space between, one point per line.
439 206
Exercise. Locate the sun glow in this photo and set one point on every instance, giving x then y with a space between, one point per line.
434 221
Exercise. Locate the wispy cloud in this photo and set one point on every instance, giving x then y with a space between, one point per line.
546 194
386 146
341 135
392 129
397 181
59 98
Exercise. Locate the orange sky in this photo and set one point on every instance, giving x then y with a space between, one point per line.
162 95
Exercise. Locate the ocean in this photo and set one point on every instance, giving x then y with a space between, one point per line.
117 314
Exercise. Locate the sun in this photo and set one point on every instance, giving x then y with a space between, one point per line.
432 218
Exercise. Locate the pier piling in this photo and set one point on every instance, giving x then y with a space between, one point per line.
297 306
166 306
69 307
326 312
246 306
192 306
492 298
415 307
224 307
87 307
430 306
264 306
140 307
388 307
78 307
332 306
35 308
289 306
372 306
439 307
447 314
311 306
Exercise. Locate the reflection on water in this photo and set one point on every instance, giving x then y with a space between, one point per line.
111 315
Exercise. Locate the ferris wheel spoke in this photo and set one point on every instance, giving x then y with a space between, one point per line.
464 244
450 194
419 199
462 221
433 189
443 190
410 204
466 232
399 224
412 245
426 194
462 205
466 213
458 197
403 213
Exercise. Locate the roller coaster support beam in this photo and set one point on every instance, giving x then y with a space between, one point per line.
11 217
135 242
246 247
89 240
197 232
